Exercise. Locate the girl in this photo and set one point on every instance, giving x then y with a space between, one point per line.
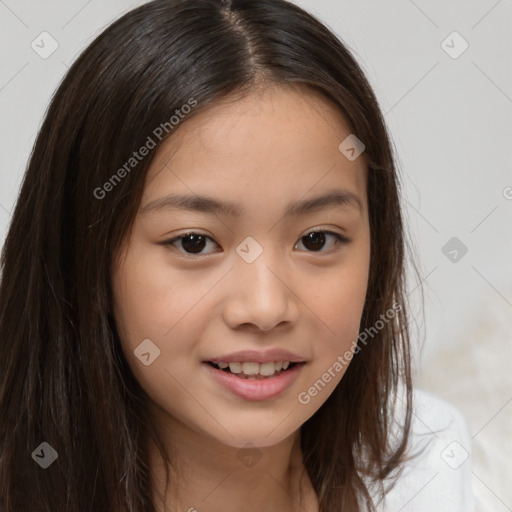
203 296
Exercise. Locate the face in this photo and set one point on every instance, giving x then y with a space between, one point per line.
251 247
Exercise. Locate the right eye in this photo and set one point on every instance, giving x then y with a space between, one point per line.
190 243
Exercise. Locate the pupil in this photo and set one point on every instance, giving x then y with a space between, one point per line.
196 243
314 241
193 243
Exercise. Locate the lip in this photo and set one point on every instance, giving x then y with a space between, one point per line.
254 390
256 356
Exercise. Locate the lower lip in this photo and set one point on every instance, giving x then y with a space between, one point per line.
262 389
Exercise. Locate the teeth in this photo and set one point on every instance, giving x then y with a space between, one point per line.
267 369
254 369
250 368
235 367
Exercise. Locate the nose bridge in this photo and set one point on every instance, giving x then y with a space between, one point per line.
260 295
259 277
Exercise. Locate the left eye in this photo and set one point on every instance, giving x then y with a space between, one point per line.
195 243
315 241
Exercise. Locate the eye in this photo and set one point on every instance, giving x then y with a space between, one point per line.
189 243
315 241
195 243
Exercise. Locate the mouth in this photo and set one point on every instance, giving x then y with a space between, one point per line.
252 381
255 371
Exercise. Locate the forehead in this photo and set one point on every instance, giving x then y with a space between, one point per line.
275 142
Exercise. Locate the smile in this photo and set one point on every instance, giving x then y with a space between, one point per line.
252 371
247 380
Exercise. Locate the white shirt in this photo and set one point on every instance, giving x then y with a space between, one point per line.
439 479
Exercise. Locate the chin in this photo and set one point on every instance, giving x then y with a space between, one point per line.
254 437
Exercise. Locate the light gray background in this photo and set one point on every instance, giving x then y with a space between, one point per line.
451 122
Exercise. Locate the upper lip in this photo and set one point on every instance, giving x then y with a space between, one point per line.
256 356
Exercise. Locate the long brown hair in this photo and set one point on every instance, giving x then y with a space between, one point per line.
64 380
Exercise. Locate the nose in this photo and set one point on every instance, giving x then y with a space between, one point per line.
261 296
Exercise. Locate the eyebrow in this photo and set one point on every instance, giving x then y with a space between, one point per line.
335 198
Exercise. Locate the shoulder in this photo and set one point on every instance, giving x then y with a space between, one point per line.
438 474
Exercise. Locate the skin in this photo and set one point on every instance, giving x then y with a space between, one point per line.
274 147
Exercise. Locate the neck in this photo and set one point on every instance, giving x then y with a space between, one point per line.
208 476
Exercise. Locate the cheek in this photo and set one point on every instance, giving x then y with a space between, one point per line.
341 298
151 299
158 311
341 309
340 306
150 307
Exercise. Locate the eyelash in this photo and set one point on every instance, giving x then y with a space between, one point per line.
339 240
